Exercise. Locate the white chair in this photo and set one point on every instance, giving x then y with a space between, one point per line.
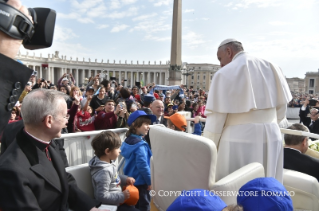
234 181
303 188
82 176
183 161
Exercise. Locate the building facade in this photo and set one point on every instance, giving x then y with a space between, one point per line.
202 75
296 85
312 82
54 66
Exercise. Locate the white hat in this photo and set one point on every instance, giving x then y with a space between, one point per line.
227 41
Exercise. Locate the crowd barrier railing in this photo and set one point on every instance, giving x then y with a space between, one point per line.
78 145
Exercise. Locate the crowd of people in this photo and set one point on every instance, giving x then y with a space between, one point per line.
103 104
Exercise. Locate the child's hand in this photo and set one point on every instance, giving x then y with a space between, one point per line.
130 181
196 119
149 187
126 194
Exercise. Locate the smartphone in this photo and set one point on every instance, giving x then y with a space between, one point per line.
121 105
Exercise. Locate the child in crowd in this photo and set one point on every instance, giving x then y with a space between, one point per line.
105 179
137 156
178 122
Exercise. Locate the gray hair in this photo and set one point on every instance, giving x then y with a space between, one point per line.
294 139
40 103
236 46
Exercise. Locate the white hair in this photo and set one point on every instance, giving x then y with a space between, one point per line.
40 103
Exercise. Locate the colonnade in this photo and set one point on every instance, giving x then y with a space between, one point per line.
82 74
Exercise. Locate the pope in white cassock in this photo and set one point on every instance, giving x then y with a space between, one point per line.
246 101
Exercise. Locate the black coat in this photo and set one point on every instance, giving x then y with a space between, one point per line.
14 76
29 181
297 161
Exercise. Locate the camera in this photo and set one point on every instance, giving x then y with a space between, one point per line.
36 35
42 79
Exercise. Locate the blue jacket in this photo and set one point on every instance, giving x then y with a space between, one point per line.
197 129
137 156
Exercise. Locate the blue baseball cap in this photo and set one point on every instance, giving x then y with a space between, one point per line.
136 114
149 98
197 200
268 194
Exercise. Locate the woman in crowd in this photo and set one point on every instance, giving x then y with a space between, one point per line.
98 101
169 110
122 116
13 115
125 96
65 90
75 91
181 106
195 109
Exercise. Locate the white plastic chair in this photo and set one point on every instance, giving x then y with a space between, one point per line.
183 161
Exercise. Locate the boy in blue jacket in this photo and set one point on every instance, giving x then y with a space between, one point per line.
137 156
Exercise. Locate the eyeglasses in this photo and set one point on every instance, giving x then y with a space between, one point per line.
67 117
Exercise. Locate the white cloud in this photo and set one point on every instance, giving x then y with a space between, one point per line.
259 3
103 26
279 23
119 28
129 1
193 40
151 26
160 39
144 17
114 4
63 34
130 12
162 2
191 10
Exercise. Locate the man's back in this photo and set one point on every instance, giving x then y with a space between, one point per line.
246 99
297 161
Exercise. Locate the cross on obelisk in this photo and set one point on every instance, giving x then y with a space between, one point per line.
176 46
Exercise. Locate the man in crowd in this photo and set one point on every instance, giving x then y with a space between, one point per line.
33 79
148 100
135 94
157 108
144 92
246 132
89 92
294 153
26 90
312 122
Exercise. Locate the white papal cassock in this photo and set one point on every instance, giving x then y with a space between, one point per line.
247 98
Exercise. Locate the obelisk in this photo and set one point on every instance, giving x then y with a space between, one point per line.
176 45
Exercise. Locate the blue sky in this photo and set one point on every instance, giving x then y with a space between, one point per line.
285 32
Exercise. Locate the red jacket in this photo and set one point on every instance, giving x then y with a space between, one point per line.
105 121
84 121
